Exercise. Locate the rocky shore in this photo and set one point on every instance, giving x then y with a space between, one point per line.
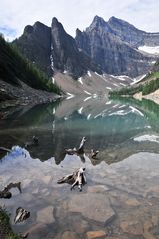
154 96
116 203
12 96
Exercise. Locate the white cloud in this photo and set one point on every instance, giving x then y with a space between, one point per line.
16 14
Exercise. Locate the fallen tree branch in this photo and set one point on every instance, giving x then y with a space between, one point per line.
5 149
5 193
76 178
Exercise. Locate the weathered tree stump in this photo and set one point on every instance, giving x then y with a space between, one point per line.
76 178
5 193
21 215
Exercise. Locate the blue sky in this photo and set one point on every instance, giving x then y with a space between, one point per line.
16 14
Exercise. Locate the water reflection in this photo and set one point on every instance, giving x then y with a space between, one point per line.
124 195
109 126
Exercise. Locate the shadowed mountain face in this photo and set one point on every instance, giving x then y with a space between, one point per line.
111 47
35 45
52 49
65 53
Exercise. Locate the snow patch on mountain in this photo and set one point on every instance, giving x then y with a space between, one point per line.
88 93
138 79
70 96
89 74
149 49
80 80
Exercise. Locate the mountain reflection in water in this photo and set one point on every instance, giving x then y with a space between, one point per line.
109 126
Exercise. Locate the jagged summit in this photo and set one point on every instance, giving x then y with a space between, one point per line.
114 46
110 47
65 53
114 20
56 24
55 20
38 26
98 23
98 20
28 29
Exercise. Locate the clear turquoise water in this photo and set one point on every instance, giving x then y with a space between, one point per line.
62 125
127 135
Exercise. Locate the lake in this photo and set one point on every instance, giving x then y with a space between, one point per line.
121 197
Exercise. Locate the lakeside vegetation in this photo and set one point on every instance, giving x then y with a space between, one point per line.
6 231
149 84
15 68
146 89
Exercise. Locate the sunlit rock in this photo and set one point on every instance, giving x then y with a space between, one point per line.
95 234
92 206
45 215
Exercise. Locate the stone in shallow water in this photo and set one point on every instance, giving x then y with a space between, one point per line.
97 189
36 229
81 227
45 215
95 234
133 202
132 226
67 235
47 179
93 206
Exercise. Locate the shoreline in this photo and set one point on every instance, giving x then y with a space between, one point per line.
154 96
13 96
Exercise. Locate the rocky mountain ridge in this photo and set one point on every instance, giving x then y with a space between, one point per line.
114 46
109 47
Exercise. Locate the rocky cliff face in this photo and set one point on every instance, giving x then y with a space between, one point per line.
113 45
130 34
35 45
66 57
52 49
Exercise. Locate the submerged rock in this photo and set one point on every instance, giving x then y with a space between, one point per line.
92 206
95 234
98 189
69 235
132 227
45 215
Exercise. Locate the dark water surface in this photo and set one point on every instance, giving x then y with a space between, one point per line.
121 198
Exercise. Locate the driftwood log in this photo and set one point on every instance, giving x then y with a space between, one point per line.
5 149
5 193
34 142
23 236
21 215
94 153
79 151
77 178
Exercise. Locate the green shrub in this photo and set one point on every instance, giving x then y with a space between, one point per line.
150 87
14 67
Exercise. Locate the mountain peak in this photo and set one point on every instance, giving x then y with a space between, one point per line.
28 29
98 20
78 31
55 20
119 23
114 19
57 26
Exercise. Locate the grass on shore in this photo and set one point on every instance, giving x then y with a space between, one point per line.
6 231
